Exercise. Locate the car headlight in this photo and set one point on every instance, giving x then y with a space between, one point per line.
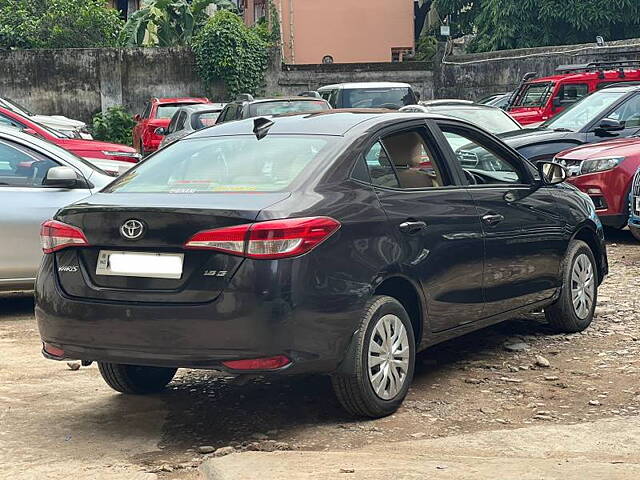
599 164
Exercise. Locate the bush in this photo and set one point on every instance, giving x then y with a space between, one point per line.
426 47
58 24
227 50
115 125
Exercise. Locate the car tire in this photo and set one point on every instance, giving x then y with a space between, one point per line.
134 379
573 311
635 231
378 389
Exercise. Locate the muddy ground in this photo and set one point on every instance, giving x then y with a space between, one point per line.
54 420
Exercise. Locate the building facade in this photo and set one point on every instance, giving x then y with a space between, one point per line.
340 31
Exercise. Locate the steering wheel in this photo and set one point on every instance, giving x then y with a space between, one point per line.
472 177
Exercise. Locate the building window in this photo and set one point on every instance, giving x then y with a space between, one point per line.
398 53
259 10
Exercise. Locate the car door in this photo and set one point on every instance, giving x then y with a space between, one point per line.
523 231
26 204
434 221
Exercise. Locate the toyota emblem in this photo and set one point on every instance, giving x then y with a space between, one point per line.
132 229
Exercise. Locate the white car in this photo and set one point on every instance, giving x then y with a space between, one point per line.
67 126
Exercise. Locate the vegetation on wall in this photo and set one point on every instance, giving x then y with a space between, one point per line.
169 23
58 24
115 125
227 50
505 24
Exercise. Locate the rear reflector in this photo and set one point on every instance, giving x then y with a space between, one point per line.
53 351
270 363
289 237
55 236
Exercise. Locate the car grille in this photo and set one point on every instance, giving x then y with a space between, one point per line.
572 166
635 193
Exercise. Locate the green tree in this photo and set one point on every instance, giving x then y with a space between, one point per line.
227 50
505 24
168 23
58 24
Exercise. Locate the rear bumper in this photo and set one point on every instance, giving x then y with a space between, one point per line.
242 323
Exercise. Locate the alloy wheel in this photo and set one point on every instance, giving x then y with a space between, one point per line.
388 357
582 286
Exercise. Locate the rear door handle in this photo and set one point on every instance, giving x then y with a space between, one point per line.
411 228
492 218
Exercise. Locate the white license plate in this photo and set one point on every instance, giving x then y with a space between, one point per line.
140 264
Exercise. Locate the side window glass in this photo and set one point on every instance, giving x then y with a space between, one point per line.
147 110
19 169
180 122
414 162
172 124
628 113
572 92
9 122
333 98
380 169
481 164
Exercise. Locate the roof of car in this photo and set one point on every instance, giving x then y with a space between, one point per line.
282 99
329 122
365 85
181 100
609 75
204 107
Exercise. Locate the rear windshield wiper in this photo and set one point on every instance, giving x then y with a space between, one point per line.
562 129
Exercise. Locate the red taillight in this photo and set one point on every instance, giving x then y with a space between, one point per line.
55 236
270 363
53 351
267 240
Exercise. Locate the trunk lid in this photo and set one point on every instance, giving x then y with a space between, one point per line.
169 220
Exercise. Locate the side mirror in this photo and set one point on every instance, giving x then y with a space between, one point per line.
557 103
552 173
609 125
63 177
160 131
137 117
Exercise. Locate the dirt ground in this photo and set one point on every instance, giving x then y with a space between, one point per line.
55 420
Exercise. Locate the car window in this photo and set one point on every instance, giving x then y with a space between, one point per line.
166 110
493 120
281 107
229 113
172 124
533 95
628 114
203 119
10 122
239 163
477 157
147 110
182 116
572 92
393 97
580 114
414 162
19 168
380 169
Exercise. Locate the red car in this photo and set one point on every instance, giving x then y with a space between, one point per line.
605 172
539 99
88 149
157 113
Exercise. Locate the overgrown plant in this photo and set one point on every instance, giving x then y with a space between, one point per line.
227 50
168 23
114 125
58 24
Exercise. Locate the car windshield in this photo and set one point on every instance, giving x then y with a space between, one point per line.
166 110
239 163
581 113
281 107
491 119
204 119
395 97
533 95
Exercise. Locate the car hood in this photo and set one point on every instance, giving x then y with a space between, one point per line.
59 122
613 148
530 136
77 144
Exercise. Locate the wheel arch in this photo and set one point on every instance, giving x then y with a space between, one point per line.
410 296
589 235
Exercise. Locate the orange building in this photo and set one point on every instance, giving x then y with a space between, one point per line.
340 31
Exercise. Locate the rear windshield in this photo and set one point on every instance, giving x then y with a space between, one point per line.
166 110
533 95
224 164
280 107
493 120
204 119
395 97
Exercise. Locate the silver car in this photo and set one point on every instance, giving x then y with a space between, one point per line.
36 179
188 119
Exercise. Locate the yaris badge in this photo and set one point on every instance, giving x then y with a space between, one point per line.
132 229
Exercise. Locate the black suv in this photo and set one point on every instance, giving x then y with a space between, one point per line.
245 106
612 112
339 243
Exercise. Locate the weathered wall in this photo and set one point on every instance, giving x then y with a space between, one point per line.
473 76
80 82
